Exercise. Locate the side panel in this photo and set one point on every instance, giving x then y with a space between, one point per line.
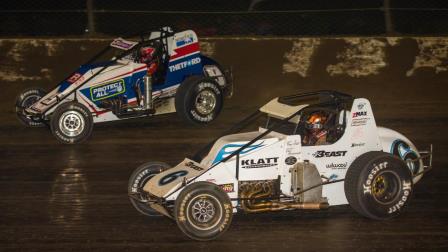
333 160
168 181
292 155
185 58
263 164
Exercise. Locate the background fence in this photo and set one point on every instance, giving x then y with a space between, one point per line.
228 17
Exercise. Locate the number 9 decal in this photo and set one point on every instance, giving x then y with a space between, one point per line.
171 177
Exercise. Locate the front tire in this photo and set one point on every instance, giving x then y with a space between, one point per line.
378 185
137 181
203 211
71 123
199 100
25 100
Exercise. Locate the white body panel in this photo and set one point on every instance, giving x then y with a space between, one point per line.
267 158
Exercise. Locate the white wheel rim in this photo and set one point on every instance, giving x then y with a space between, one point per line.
205 102
71 123
203 210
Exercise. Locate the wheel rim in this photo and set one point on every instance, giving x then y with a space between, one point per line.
71 123
205 102
204 212
386 187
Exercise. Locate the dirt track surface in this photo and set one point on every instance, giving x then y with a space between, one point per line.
59 197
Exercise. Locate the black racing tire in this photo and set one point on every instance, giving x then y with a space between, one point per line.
203 211
378 185
137 181
199 100
24 100
71 123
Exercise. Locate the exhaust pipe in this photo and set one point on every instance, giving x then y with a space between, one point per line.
251 193
148 93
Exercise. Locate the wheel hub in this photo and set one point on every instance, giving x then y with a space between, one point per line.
71 123
205 102
385 187
203 210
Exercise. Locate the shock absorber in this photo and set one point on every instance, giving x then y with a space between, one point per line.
148 93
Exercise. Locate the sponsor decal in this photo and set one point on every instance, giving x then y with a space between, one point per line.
184 64
171 177
123 44
335 166
74 78
360 121
333 177
230 148
193 166
184 40
361 105
228 188
407 186
368 184
259 163
358 144
359 113
290 160
108 89
321 153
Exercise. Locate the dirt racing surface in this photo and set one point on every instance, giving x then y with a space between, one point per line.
74 197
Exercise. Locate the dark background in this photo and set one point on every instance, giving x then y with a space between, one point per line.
56 197
231 17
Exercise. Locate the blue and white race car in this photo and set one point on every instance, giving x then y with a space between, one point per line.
163 73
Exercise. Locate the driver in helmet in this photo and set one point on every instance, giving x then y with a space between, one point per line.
147 56
315 134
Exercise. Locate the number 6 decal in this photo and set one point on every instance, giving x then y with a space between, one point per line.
171 177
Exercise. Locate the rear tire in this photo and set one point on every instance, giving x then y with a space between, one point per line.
203 211
378 185
25 100
198 100
71 123
137 181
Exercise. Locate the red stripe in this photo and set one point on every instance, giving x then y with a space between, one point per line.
182 51
130 72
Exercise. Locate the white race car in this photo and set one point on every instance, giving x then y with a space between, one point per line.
278 167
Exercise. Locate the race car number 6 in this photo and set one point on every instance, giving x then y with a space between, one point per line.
171 177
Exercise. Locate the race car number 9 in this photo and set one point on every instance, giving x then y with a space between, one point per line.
171 177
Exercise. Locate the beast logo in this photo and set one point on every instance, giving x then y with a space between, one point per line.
319 154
